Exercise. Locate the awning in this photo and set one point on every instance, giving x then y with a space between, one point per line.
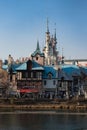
33 90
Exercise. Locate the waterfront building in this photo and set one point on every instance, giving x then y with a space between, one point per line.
83 88
73 75
64 84
29 78
49 81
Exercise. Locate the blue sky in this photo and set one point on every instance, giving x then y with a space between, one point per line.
23 22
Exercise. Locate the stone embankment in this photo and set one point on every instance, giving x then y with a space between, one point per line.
71 107
41 105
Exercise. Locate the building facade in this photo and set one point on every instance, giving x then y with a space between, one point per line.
29 77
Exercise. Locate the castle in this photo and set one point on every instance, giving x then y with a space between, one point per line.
49 56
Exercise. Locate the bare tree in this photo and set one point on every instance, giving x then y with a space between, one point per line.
4 83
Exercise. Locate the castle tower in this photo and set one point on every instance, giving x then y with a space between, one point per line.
50 50
37 55
47 42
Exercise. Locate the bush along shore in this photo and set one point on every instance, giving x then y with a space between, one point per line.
26 104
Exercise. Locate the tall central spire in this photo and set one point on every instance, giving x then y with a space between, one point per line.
47 25
55 33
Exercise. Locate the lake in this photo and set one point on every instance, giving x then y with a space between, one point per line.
42 120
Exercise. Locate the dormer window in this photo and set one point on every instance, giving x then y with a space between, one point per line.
49 76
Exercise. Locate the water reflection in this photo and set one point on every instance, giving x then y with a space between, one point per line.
46 121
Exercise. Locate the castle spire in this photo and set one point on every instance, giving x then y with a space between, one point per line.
47 25
55 34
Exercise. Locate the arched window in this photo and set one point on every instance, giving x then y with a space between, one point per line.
36 58
49 76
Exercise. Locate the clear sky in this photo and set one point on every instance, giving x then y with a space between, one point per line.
23 22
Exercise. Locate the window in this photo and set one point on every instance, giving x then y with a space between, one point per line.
11 78
62 78
49 76
40 75
36 58
45 82
75 81
34 74
24 74
29 74
18 75
54 82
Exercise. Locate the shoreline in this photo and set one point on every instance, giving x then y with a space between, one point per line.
68 107
45 112
26 104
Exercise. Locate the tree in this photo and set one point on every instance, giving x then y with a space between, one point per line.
4 83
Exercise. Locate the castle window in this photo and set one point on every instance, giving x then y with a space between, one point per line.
36 58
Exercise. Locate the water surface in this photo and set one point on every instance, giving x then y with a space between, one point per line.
38 120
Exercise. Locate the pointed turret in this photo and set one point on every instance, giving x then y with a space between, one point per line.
37 55
38 48
37 51
55 39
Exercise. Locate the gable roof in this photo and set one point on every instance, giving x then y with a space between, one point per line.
13 67
47 70
35 66
72 70
23 66
37 51
62 73
10 67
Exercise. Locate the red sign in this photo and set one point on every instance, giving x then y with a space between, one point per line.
32 90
